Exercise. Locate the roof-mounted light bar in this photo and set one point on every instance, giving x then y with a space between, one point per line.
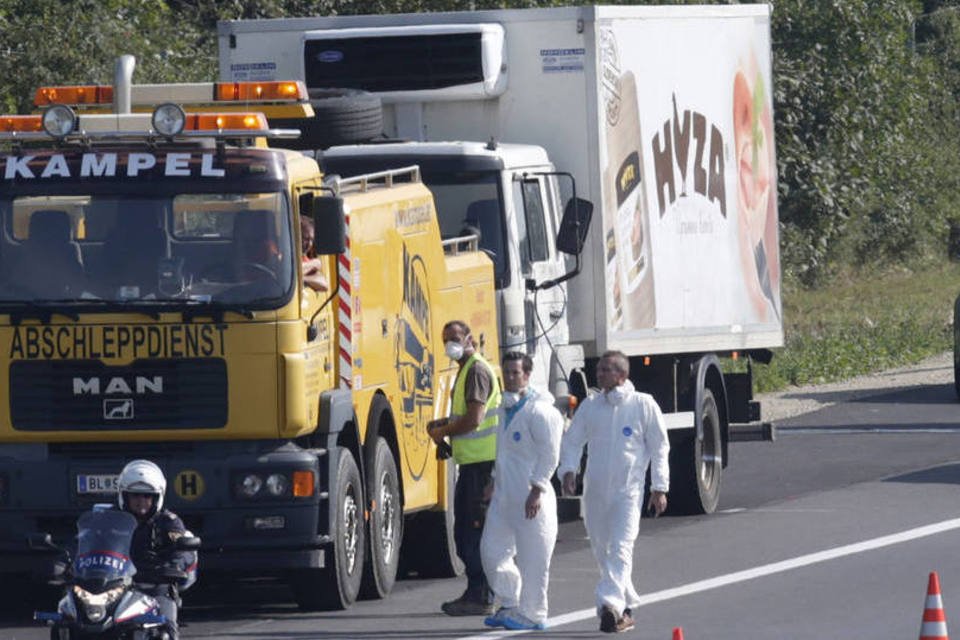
167 121
187 93
281 91
204 122
11 126
74 95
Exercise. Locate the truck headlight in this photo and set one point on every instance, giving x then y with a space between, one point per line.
249 485
277 485
273 485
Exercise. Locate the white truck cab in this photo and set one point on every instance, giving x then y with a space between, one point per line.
509 195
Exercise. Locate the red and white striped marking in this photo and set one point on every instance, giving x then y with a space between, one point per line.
934 625
345 303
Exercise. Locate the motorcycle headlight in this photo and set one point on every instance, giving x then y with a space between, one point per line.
95 604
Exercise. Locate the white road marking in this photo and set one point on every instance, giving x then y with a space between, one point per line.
747 574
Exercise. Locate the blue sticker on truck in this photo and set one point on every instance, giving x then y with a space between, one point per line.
253 71
562 60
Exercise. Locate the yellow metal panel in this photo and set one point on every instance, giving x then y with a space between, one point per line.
294 393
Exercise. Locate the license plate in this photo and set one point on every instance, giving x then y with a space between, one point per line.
90 483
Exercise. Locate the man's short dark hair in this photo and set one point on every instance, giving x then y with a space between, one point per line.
623 362
460 324
526 362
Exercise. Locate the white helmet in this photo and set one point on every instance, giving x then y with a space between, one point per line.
142 476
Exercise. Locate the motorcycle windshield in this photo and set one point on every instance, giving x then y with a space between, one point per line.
103 547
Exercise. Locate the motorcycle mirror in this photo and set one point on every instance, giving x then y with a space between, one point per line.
40 541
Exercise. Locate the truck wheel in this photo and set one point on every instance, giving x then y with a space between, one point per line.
429 549
385 533
337 585
696 465
343 116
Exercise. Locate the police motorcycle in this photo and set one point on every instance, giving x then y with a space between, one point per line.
101 599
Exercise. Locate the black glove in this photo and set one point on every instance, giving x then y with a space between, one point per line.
444 450
171 573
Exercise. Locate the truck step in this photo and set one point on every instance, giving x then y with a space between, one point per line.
753 432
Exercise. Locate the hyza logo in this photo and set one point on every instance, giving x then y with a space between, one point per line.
689 144
118 409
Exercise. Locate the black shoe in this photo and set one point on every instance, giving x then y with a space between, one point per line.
467 605
608 620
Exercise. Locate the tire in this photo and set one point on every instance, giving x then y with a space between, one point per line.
337 585
429 549
696 465
342 116
385 531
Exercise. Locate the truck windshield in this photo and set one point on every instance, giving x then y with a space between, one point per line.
466 191
470 203
228 248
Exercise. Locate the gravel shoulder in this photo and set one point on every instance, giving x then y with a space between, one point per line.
795 401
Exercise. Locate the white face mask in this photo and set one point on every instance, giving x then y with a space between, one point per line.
454 350
616 395
509 399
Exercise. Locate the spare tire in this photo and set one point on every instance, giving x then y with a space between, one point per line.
343 116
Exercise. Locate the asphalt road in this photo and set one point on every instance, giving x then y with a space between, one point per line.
829 532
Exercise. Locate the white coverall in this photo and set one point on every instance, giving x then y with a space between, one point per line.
624 432
528 447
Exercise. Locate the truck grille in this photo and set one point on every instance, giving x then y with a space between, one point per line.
399 63
80 395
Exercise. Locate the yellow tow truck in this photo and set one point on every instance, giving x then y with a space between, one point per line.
152 305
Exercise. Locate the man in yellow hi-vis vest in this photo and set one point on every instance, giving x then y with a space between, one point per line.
472 427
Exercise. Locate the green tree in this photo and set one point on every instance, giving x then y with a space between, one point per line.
862 125
45 42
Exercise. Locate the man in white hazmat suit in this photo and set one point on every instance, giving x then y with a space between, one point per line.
624 432
521 527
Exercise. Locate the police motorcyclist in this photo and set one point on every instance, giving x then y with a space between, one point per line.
161 567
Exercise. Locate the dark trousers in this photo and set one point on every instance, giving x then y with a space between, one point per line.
469 511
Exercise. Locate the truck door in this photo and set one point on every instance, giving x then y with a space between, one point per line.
319 346
544 310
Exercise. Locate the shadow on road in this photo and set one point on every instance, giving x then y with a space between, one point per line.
946 474
917 394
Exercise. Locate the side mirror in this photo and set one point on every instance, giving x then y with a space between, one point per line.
40 542
574 226
329 226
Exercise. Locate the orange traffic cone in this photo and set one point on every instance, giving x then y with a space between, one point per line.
934 626
677 633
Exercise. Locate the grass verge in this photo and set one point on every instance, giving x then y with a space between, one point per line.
863 322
